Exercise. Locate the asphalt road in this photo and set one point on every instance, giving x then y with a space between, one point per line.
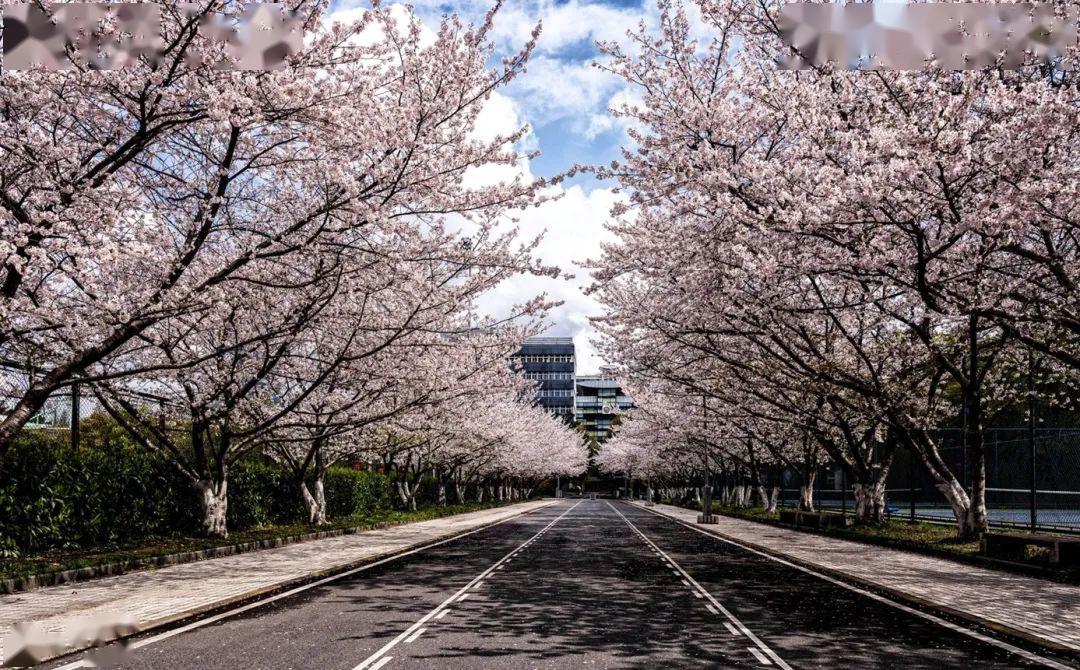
579 584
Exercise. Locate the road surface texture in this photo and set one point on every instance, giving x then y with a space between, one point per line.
579 584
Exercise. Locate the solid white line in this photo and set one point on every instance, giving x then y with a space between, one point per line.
440 610
732 629
412 638
738 624
85 663
759 656
1023 653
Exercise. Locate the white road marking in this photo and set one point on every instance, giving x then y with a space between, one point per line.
1023 653
463 597
732 629
85 663
412 638
715 603
712 609
759 656
441 609
685 583
384 661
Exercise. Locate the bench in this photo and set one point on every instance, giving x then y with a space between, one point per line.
1059 550
819 520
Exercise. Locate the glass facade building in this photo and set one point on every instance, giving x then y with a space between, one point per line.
550 361
597 401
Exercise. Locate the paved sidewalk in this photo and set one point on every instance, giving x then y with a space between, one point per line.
153 598
1038 610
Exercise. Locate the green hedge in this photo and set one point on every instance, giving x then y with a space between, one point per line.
111 492
54 497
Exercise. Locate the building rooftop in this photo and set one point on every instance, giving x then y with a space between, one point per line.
597 382
548 340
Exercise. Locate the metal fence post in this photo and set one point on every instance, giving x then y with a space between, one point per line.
75 416
843 493
1031 445
911 481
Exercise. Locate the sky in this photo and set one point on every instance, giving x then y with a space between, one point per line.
565 101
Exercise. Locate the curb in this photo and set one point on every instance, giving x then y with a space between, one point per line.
256 593
892 592
21 584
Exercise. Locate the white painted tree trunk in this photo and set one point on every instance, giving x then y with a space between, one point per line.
961 506
774 499
441 501
762 497
214 501
870 502
459 491
315 504
479 493
408 495
806 493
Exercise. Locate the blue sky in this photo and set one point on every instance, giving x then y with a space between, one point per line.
565 100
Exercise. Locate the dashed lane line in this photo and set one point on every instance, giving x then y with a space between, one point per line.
769 654
442 608
199 623
1001 644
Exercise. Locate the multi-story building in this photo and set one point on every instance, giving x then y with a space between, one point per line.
597 401
549 360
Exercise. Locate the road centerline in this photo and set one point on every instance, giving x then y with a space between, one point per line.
443 608
708 596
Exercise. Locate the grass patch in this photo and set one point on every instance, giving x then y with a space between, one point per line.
60 561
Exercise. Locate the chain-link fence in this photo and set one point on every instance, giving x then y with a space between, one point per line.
1049 501
73 401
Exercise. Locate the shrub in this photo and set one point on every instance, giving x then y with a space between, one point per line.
262 494
108 492
356 492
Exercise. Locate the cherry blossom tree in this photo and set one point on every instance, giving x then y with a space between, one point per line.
133 197
841 245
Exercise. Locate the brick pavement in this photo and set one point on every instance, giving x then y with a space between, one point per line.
1038 610
154 598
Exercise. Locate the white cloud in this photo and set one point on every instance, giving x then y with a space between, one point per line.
573 228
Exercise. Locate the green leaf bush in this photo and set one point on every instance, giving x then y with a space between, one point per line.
111 492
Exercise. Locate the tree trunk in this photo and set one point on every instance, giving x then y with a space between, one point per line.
214 501
441 500
806 491
479 493
870 502
774 498
315 504
459 490
762 497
